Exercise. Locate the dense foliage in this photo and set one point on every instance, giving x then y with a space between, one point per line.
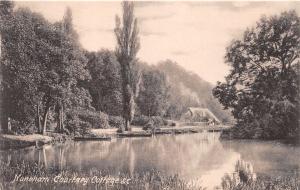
262 89
49 82
105 83
153 96
41 65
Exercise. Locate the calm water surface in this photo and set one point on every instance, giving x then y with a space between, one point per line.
192 156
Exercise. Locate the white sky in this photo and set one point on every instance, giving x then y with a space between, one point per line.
194 34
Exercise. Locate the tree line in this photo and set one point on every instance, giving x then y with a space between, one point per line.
48 81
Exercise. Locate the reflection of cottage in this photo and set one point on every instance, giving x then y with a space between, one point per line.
195 114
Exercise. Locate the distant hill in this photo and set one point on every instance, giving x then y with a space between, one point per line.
189 89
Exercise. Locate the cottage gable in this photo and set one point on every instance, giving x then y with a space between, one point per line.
196 114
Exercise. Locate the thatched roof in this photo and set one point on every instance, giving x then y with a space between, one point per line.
202 112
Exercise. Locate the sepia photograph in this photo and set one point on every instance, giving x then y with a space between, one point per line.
149 95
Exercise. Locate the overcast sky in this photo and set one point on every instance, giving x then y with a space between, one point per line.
194 34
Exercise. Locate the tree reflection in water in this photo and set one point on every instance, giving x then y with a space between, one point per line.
201 158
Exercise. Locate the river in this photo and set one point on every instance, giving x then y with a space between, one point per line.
202 157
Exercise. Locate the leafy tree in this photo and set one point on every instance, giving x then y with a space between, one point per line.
71 70
66 68
128 46
43 63
6 14
24 57
6 8
262 86
105 83
153 96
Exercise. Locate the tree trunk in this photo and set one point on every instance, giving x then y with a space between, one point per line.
45 119
127 95
60 113
127 125
59 120
38 118
8 125
2 117
58 128
62 119
4 124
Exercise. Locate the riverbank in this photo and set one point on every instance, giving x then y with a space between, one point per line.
137 131
34 176
22 141
234 133
8 141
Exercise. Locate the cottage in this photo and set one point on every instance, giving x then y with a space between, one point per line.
196 114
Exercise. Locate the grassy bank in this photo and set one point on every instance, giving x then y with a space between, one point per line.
22 141
90 180
95 179
269 183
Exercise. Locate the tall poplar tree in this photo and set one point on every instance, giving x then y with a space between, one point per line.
127 47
